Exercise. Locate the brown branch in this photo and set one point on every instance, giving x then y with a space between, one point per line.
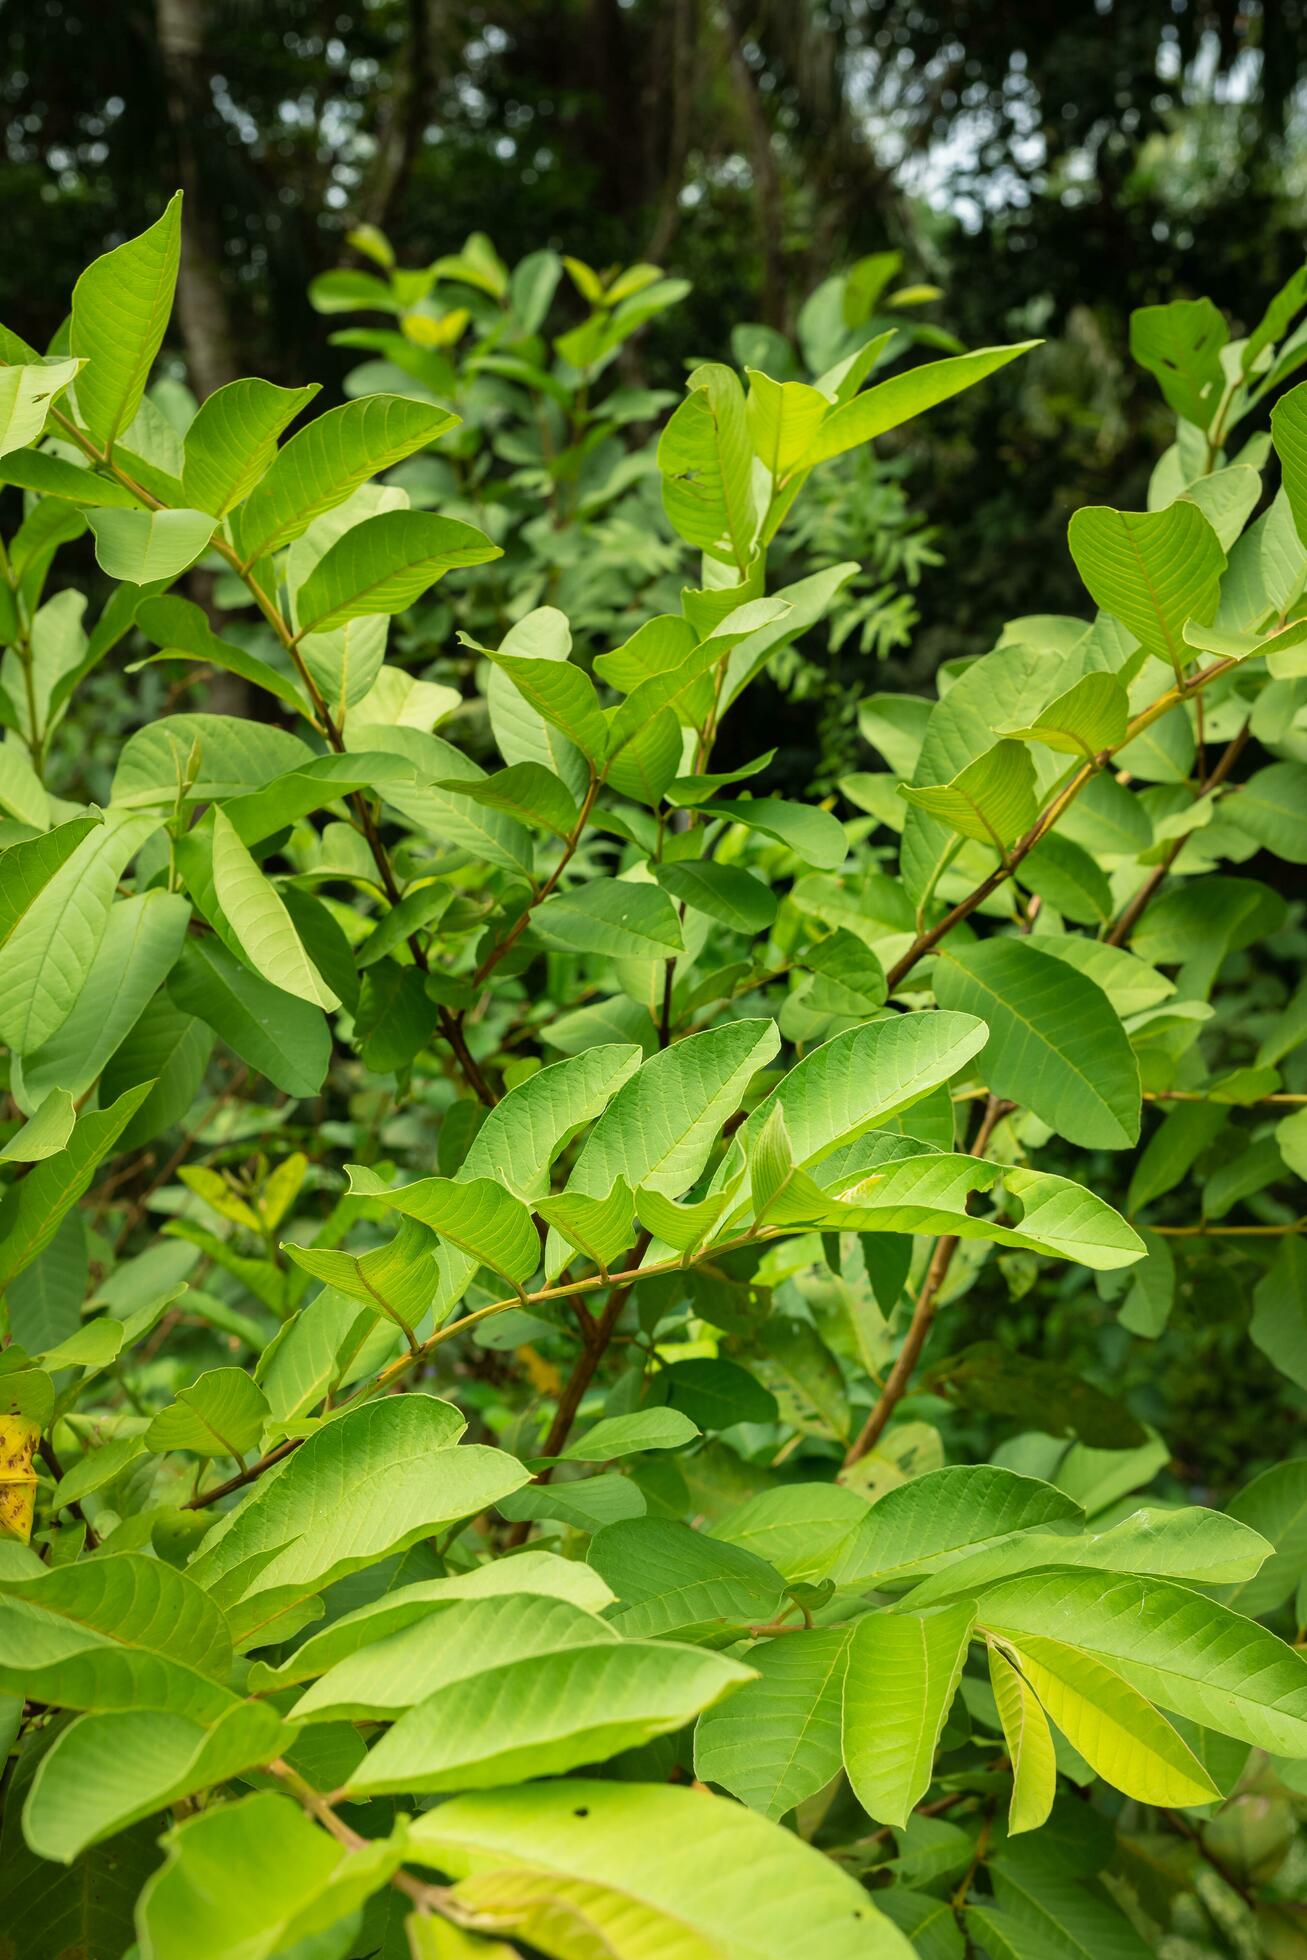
1143 898
923 1315
926 942
583 1373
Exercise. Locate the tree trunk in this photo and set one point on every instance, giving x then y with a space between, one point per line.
768 201
201 302
399 138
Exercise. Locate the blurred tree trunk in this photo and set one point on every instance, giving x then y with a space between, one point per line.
768 199
683 33
201 302
399 139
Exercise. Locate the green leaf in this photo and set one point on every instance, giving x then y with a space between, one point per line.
560 694
812 833
1055 1043
1271 808
327 459
121 306
1082 721
527 791
221 1413
647 1869
542 1574
1181 1650
610 916
398 1280
725 892
1152 570
296 1882
260 922
1029 1745
776 1742
232 441
525 1131
1067 878
671 1581
717 1393
660 1126
367 1485
798 1528
31 1209
1181 345
862 1079
501 1690
936 1519
115 1632
26 396
107 1771
1289 435
883 407
56 476
51 945
784 417
1190 1544
383 565
45 1131
992 799
1115 1729
643 1429
142 546
181 629
143 938
1275 1505
281 1037
477 1215
704 454
903 1672
601 1228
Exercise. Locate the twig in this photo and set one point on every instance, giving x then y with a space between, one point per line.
926 942
923 1316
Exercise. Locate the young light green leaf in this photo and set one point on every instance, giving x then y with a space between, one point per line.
877 410
1085 719
1117 1731
1029 1745
601 1228
475 1214
397 1280
46 1130
120 313
655 1869
27 394
1186 1652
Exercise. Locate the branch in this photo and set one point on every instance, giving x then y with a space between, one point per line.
619 1284
321 718
926 942
923 1315
1143 898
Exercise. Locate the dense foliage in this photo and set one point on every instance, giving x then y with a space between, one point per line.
572 1366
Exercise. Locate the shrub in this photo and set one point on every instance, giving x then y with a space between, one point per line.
642 1123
